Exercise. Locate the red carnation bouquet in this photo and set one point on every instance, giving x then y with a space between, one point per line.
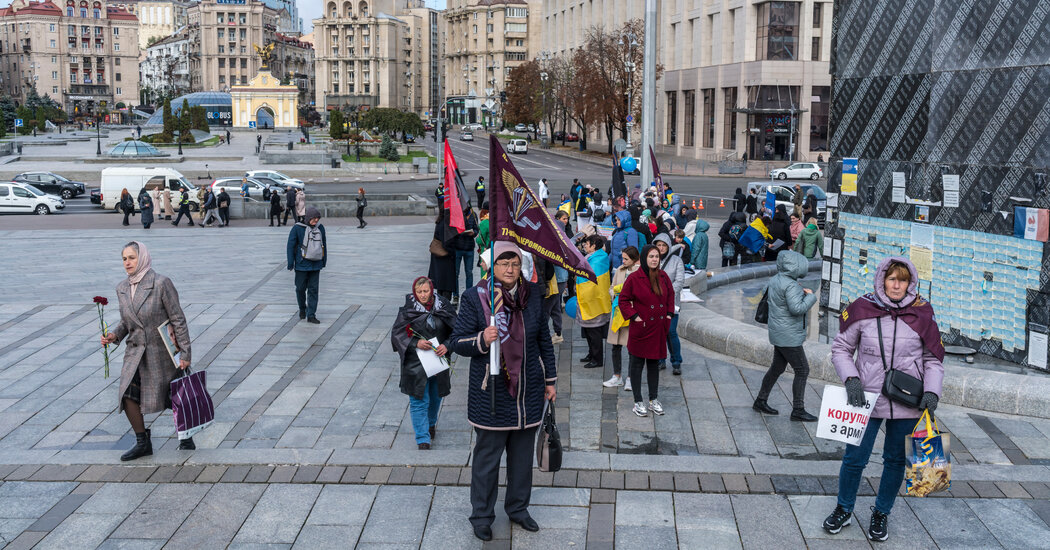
101 302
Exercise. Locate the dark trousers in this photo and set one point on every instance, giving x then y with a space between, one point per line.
489 446
274 216
224 215
306 284
617 360
288 211
361 216
126 214
552 307
481 198
184 210
652 373
726 262
781 357
595 337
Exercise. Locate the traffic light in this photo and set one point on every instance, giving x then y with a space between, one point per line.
503 96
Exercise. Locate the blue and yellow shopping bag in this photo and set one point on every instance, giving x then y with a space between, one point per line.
929 467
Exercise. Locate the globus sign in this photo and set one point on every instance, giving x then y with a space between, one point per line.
219 115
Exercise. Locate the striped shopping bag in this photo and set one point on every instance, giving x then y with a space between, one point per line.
190 403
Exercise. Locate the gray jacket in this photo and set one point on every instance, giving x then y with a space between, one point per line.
788 303
673 267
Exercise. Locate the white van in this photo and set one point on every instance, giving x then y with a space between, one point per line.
518 146
133 178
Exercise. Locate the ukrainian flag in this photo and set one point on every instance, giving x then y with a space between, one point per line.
593 298
566 206
618 321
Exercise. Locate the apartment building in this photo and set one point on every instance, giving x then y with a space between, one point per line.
293 59
565 23
166 68
749 77
485 40
157 18
379 53
223 34
81 53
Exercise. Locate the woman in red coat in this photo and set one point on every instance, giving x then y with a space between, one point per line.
647 299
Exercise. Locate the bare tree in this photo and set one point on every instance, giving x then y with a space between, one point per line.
524 94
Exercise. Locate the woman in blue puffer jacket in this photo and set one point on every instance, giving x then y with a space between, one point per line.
623 236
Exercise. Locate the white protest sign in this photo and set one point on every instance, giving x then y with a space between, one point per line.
841 422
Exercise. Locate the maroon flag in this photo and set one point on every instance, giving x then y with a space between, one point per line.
455 193
518 216
658 181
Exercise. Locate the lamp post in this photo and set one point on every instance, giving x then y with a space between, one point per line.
629 40
98 136
178 138
648 89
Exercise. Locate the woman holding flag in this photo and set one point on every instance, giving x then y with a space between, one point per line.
618 331
506 408
593 303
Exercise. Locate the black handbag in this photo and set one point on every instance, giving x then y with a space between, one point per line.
762 311
548 443
898 386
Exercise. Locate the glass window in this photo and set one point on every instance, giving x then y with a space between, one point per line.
729 119
22 192
777 34
4 190
709 117
816 49
819 112
672 117
818 11
222 62
689 100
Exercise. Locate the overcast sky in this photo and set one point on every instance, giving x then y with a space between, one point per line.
311 9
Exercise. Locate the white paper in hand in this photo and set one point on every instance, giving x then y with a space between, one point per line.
432 364
841 422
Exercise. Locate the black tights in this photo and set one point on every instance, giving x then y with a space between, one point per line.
781 357
652 376
134 413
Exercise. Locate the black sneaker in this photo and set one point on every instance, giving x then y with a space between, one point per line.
313 320
800 415
877 530
302 314
837 520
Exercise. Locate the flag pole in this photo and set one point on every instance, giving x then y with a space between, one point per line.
494 348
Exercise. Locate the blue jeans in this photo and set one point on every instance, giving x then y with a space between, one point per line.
468 266
893 461
673 343
424 411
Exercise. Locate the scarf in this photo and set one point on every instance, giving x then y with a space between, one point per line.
918 315
510 323
419 306
144 266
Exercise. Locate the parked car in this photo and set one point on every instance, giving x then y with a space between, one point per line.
520 128
518 146
531 128
798 170
278 177
409 138
52 183
785 193
472 127
233 187
559 135
96 196
21 197
466 136
572 136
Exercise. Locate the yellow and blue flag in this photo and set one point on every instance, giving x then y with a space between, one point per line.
593 297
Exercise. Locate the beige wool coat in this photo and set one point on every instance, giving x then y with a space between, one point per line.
156 301
619 337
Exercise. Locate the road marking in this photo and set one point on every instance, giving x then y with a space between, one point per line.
516 158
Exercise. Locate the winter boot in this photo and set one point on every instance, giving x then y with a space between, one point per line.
143 447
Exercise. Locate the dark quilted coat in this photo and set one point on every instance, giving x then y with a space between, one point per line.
525 410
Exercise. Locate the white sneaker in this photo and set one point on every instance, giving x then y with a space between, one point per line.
656 407
639 409
613 382
627 384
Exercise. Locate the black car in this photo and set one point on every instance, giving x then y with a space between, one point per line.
52 184
559 135
96 196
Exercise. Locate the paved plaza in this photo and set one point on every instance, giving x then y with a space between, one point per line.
313 447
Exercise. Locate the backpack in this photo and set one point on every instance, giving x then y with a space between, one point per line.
312 248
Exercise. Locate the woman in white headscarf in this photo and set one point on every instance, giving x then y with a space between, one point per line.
147 300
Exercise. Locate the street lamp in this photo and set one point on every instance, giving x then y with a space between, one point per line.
178 138
629 40
98 135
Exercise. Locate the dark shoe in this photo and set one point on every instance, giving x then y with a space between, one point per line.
587 359
593 365
432 432
527 523
175 224
424 446
313 320
663 366
837 520
187 445
143 447
302 315
801 415
483 532
877 531
676 370
764 408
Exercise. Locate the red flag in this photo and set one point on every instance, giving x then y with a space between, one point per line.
517 215
657 180
455 197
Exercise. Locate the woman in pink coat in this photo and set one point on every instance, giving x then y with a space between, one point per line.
892 327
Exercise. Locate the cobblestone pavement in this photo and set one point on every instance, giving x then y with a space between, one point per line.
312 446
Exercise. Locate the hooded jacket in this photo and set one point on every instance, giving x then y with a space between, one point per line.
903 348
788 303
700 245
673 266
622 237
810 242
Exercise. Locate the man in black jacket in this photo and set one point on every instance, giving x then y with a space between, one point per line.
289 204
739 200
752 204
223 202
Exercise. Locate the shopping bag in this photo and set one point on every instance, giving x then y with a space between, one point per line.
190 404
838 421
929 468
548 444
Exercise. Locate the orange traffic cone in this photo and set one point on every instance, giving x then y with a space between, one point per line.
701 204
722 204
694 205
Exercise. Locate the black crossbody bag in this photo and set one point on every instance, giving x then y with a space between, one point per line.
898 386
